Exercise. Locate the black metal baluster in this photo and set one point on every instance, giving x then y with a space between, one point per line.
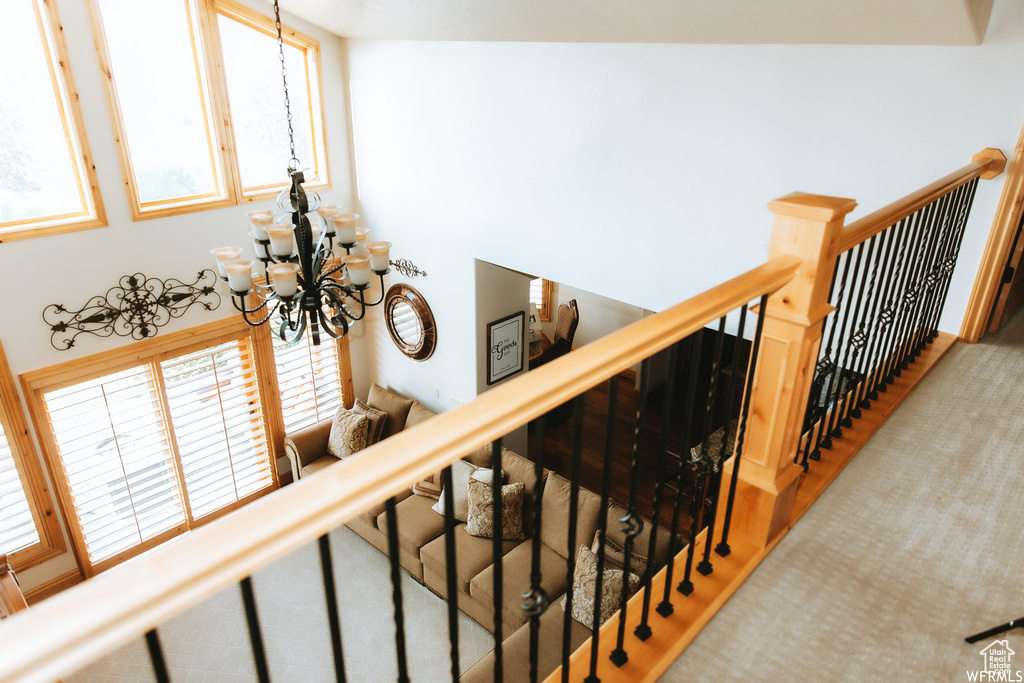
497 522
855 342
869 365
259 655
643 630
449 560
869 323
886 315
602 527
713 466
932 235
831 408
723 548
572 545
535 602
156 656
803 449
943 234
953 257
631 523
391 516
936 276
331 598
905 294
827 365
686 586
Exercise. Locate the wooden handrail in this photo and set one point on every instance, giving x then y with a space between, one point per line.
71 629
987 163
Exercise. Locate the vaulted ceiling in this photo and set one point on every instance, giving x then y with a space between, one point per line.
868 22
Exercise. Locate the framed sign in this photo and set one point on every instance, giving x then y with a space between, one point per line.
505 355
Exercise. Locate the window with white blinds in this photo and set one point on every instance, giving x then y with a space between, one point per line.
149 451
17 528
309 381
540 296
218 425
117 460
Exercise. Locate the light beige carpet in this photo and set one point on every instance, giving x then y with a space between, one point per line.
210 642
916 545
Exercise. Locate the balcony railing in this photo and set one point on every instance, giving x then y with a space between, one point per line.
721 512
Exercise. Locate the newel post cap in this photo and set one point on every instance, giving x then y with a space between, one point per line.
815 207
996 162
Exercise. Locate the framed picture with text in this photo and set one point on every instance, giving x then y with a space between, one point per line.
505 356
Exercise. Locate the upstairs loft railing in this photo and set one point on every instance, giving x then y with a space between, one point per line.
755 488
888 291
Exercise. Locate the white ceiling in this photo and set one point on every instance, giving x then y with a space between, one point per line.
871 22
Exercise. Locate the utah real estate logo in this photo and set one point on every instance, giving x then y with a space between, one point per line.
997 664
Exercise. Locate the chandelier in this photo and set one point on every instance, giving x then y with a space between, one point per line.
306 286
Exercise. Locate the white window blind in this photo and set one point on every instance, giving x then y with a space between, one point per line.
218 425
115 453
17 529
537 292
308 379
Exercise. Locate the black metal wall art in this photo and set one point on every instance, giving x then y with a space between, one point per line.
408 268
136 307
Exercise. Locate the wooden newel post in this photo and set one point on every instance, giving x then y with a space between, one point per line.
807 226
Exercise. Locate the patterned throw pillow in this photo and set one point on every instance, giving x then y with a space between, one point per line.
348 433
615 554
584 589
481 510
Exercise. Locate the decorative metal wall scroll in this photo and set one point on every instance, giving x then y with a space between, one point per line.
136 307
408 268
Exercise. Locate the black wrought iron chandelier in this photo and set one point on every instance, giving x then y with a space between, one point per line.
306 285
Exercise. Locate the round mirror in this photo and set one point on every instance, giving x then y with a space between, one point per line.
410 322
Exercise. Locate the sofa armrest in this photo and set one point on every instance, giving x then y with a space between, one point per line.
307 444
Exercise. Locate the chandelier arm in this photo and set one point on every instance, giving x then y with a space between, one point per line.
299 326
331 324
381 299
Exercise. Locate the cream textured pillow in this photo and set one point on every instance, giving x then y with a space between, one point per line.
348 433
584 589
461 472
481 510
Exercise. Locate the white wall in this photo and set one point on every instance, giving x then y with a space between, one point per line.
69 269
579 161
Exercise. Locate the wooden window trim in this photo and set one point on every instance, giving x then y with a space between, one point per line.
63 82
207 55
26 460
544 310
149 351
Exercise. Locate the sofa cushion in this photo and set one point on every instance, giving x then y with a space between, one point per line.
584 589
417 526
374 511
518 469
472 555
461 473
641 544
516 580
318 464
554 523
481 510
515 651
395 405
348 433
376 419
418 414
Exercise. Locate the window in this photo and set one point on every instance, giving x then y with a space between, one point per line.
309 381
540 296
198 104
28 527
147 450
47 181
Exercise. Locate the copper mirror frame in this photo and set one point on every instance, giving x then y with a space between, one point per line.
410 322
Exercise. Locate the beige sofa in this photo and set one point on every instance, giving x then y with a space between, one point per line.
422 546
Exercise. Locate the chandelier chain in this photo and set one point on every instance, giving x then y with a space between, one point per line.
293 162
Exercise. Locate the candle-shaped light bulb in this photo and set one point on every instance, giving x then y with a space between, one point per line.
380 255
284 277
239 275
358 267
